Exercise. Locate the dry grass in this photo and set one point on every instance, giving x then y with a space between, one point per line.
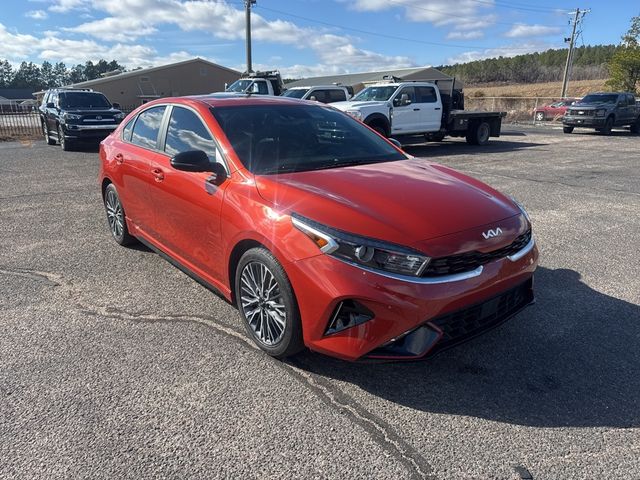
577 88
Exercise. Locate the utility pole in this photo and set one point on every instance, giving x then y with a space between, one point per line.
247 10
579 15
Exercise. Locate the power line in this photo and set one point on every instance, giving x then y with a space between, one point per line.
579 16
382 35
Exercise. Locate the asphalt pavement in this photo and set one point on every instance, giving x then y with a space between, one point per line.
114 364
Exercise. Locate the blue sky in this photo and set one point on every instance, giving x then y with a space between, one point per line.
300 37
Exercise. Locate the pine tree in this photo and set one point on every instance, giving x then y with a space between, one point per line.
624 66
6 74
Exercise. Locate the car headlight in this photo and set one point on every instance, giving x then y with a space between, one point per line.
362 251
601 112
522 209
119 116
355 114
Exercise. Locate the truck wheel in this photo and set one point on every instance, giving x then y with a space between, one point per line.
608 125
479 134
635 127
567 129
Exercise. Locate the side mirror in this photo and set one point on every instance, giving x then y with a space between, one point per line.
116 105
404 99
50 105
218 174
191 161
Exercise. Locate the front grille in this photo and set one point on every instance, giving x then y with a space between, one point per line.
585 113
464 324
466 262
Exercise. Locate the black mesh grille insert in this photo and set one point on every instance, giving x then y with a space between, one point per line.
466 262
463 324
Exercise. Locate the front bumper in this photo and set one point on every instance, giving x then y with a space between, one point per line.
583 121
410 318
87 132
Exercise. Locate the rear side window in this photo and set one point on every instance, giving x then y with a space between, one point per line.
337 96
128 128
426 95
187 132
319 95
147 126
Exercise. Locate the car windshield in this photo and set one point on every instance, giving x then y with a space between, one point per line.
381 94
604 98
271 139
239 86
295 92
83 100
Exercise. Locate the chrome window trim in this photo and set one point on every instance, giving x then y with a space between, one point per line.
526 249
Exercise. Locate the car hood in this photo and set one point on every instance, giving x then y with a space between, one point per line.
404 202
354 105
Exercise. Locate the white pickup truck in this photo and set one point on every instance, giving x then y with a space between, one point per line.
420 108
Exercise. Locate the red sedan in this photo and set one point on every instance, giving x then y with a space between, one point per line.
554 110
324 234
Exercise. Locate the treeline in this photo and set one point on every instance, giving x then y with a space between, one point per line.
48 75
589 63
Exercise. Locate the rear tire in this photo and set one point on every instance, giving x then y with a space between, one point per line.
567 129
479 134
267 304
116 217
635 127
540 116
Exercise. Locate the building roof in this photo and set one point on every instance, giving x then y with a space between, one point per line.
144 71
416 73
16 93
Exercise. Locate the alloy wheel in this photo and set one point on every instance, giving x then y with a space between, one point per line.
114 214
262 303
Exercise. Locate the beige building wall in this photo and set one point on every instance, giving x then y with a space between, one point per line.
193 77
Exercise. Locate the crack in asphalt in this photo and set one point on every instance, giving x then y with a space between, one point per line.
379 431
47 278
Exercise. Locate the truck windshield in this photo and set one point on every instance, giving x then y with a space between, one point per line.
239 86
380 94
272 139
600 98
295 92
83 100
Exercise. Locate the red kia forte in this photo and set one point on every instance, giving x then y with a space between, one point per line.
324 234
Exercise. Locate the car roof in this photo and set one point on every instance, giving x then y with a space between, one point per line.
231 100
340 87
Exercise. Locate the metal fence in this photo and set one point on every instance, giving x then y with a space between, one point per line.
20 122
519 109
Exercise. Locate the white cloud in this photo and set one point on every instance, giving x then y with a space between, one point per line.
62 6
506 51
114 29
470 35
522 30
36 14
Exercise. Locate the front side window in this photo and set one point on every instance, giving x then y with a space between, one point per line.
426 95
187 132
271 139
320 96
600 98
147 126
409 91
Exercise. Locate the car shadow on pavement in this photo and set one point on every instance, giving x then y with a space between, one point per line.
570 360
460 147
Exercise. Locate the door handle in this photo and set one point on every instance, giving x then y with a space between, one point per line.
416 109
119 158
158 174
437 108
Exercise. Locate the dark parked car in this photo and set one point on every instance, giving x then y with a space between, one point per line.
554 110
69 116
603 111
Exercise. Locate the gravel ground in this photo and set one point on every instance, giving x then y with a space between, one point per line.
115 364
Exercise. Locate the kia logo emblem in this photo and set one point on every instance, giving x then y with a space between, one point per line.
492 233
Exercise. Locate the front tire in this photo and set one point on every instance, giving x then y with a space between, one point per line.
47 137
567 129
540 116
635 126
116 217
608 125
65 144
267 304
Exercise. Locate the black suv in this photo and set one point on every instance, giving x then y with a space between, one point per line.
72 115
